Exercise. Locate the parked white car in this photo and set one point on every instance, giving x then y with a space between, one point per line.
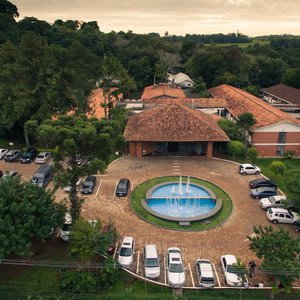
205 274
229 270
66 228
43 157
282 215
151 262
175 268
2 153
273 201
248 169
126 252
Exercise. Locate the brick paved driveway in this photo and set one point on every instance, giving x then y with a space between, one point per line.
229 238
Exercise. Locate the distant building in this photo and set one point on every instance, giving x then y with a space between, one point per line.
181 80
283 97
275 131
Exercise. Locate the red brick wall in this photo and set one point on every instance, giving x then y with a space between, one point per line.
137 148
265 137
266 150
293 137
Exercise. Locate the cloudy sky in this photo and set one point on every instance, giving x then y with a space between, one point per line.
251 17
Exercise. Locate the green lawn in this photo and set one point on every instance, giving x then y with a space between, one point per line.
140 193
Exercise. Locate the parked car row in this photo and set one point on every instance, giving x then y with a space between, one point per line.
28 156
175 265
279 210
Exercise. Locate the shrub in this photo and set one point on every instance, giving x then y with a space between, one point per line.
251 154
79 281
235 149
277 167
289 154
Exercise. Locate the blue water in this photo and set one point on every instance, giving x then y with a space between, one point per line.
172 190
181 207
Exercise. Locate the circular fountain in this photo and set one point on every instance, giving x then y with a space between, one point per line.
181 201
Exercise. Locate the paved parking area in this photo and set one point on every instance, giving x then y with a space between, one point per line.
229 238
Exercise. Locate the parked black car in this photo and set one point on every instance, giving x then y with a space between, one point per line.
260 182
89 185
28 156
263 192
123 187
12 155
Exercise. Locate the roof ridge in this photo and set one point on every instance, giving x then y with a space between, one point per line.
197 115
255 101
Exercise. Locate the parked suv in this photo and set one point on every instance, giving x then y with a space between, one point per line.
28 156
282 215
273 201
123 187
248 169
175 268
126 252
260 182
12 155
205 274
151 262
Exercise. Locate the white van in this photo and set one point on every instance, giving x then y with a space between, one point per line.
151 262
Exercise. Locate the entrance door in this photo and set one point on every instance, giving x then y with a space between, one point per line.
173 147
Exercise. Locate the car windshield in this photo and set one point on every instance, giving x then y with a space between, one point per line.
151 262
231 269
87 184
37 179
272 199
207 279
40 156
26 155
176 268
125 251
122 185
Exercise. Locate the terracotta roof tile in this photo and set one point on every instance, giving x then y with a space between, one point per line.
240 101
191 102
284 92
173 122
162 90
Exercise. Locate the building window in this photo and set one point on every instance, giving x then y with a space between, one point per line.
280 150
281 137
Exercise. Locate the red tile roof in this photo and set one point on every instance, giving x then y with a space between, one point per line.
191 102
173 122
284 92
162 90
96 100
240 101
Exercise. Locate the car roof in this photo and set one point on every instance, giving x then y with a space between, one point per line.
247 165
43 153
127 239
266 188
230 259
280 210
261 180
205 267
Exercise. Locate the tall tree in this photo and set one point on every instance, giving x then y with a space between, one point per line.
114 80
27 212
37 81
75 135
